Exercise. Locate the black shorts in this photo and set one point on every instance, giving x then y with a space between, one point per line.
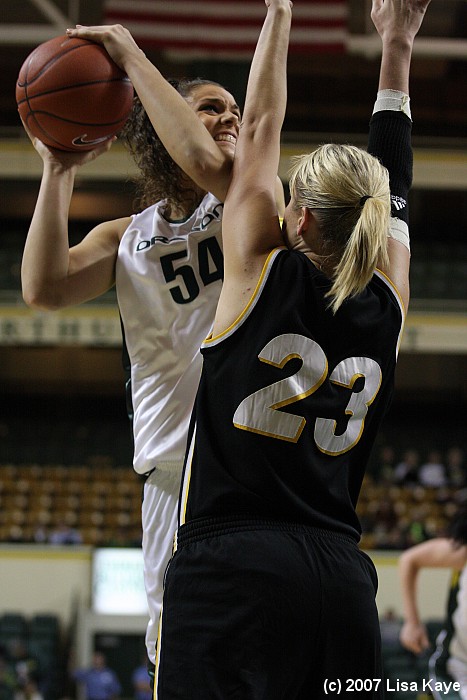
257 610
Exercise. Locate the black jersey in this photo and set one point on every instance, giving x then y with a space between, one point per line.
290 400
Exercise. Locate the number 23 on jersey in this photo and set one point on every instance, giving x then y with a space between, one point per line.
259 412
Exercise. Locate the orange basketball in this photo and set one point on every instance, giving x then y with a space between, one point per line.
71 95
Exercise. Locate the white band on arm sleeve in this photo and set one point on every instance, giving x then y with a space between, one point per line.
393 100
399 230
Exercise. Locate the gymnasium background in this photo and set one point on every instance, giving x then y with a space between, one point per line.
65 443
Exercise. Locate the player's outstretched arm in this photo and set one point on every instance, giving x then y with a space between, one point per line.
266 97
185 137
251 193
250 228
397 22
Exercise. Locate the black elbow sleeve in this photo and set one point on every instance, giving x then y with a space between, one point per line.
390 141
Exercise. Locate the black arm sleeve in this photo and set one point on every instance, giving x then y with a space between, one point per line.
390 141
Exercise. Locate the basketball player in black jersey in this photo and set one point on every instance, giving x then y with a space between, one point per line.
268 595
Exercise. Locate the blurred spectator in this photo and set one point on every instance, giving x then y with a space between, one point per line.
41 535
385 515
384 471
25 666
385 520
391 539
142 682
432 473
100 682
15 534
406 471
390 626
456 467
415 533
65 534
29 691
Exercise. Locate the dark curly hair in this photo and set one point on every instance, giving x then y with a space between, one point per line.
159 176
457 528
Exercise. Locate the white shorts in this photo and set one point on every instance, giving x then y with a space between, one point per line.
159 522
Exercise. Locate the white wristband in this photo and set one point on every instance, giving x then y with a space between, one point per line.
399 230
393 100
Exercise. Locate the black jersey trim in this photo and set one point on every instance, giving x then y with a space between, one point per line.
185 487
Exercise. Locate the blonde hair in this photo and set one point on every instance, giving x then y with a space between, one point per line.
348 191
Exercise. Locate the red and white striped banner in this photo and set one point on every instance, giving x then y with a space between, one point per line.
226 28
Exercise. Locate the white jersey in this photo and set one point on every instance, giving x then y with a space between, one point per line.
168 280
451 644
458 645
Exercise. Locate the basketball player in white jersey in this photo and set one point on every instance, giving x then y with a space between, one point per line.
449 552
166 263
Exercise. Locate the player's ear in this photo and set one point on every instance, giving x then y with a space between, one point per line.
303 222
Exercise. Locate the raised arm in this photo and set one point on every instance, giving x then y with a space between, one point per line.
250 228
53 275
185 138
439 552
253 229
397 22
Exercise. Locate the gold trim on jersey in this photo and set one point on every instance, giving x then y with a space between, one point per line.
214 339
383 276
348 412
158 656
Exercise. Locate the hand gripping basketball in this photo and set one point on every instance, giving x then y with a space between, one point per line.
71 95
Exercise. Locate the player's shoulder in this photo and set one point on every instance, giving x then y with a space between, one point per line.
110 231
119 226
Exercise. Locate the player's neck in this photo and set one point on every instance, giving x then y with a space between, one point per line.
320 262
177 212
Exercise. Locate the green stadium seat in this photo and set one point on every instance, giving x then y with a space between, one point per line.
44 625
13 625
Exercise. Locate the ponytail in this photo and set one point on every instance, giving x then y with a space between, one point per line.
348 191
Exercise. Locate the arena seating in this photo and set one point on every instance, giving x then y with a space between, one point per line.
103 504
